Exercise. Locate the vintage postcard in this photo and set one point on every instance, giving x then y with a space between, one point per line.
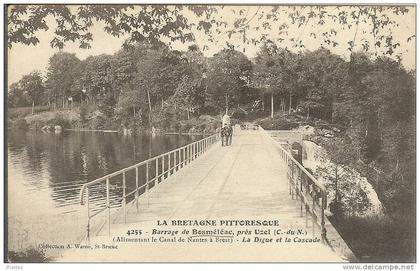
210 133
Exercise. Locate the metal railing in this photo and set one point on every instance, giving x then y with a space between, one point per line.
306 188
146 174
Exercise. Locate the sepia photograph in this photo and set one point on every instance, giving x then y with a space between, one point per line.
210 133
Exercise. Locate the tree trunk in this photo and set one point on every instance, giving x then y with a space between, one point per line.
188 114
282 106
227 104
290 102
272 105
150 107
33 105
307 114
161 106
134 111
263 104
336 184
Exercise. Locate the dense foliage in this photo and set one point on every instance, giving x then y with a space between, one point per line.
371 100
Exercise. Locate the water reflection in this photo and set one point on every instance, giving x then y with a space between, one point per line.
46 171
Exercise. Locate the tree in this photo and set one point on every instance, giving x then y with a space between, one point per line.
30 90
320 76
102 78
33 88
275 72
123 68
189 95
132 103
15 96
153 73
97 76
62 76
228 76
370 27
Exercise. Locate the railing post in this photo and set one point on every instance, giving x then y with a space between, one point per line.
163 168
136 194
292 179
313 215
186 155
324 205
88 214
288 174
175 161
296 188
147 182
183 156
108 205
169 164
179 159
300 193
157 171
124 200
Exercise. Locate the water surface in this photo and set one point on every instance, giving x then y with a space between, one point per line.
46 171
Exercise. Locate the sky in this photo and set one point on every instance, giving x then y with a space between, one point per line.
23 59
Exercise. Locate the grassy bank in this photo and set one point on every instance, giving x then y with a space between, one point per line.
203 124
88 117
285 121
22 112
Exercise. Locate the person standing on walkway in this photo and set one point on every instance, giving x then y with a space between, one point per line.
224 132
225 120
223 135
229 132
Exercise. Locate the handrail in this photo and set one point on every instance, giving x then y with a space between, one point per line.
296 162
297 176
118 172
175 159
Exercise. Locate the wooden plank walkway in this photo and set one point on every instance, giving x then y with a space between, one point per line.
246 180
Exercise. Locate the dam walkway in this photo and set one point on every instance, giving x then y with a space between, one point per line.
255 180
